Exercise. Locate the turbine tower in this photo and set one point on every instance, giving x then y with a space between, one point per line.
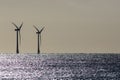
18 34
39 37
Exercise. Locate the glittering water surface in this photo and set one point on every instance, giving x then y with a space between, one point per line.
60 66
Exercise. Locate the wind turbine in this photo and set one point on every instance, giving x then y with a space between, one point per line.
39 37
18 34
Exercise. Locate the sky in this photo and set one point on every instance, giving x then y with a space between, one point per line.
71 26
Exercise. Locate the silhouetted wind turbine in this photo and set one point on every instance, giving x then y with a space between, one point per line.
39 37
18 34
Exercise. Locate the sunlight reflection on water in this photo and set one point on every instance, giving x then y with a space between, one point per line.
59 66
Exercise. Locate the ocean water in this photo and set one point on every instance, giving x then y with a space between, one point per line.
76 66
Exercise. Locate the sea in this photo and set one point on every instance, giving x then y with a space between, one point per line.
60 66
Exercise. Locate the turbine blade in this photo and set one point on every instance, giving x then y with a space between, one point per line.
15 25
42 29
36 28
40 40
21 25
20 37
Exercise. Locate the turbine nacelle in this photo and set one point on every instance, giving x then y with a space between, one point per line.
17 29
37 32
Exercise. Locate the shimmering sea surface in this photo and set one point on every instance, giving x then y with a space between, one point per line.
73 66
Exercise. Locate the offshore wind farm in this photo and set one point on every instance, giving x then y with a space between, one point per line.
57 66
60 40
18 37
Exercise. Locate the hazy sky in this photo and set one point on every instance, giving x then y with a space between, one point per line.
70 25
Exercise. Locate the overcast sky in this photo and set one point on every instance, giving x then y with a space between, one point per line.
78 26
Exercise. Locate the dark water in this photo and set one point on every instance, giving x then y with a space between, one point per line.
60 67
